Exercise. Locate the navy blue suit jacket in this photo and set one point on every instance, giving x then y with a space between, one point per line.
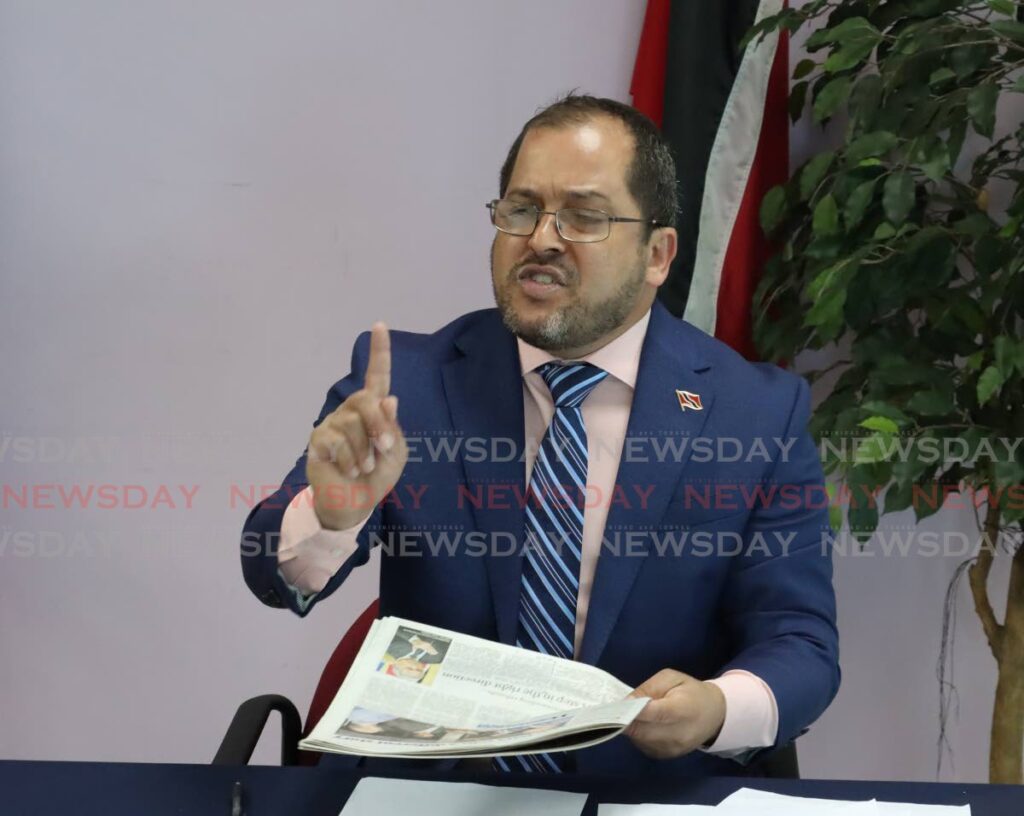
695 574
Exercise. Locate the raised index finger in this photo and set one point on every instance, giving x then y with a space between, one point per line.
378 370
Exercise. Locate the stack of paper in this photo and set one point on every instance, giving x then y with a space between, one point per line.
749 802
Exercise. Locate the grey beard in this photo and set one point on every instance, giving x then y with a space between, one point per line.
577 325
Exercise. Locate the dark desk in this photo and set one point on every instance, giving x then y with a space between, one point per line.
113 789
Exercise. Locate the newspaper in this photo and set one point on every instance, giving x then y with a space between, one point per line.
417 691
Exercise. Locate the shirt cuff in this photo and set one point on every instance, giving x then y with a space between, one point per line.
309 555
751 715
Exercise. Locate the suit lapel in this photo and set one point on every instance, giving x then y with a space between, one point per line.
669 360
484 389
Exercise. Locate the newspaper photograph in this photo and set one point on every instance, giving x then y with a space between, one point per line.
421 691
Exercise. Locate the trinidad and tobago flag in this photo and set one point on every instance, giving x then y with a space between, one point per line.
687 399
725 114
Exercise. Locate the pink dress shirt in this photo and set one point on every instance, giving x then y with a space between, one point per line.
309 555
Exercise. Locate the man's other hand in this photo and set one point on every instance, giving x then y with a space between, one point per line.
683 714
358 452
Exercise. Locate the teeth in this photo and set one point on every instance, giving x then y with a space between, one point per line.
542 278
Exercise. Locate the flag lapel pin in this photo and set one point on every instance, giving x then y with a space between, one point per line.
687 399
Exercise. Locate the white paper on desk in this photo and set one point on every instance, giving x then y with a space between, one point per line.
752 806
656 810
762 803
763 800
374 796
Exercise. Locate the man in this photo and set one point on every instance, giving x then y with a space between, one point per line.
591 540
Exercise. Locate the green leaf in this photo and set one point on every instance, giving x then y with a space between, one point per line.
814 171
804 68
1003 7
838 274
970 314
1008 474
1006 348
989 383
957 134
1010 228
934 159
932 254
858 202
981 107
898 496
850 55
773 208
854 29
830 98
826 217
929 501
1013 514
974 225
884 409
827 313
990 253
1010 28
877 143
797 100
826 248
973 363
865 98
972 438
881 424
930 403
898 197
835 517
876 448
966 59
941 75
863 518
914 461
884 232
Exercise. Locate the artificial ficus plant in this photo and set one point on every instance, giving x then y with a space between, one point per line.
894 255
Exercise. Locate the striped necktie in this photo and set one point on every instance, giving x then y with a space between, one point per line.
554 533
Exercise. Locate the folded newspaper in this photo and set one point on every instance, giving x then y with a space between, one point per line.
417 691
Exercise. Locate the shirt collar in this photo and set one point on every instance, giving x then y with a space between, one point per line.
620 358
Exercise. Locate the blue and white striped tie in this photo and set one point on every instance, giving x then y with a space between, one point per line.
554 533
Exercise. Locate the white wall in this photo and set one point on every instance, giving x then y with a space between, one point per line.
202 205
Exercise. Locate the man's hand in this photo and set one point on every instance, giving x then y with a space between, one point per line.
358 452
684 713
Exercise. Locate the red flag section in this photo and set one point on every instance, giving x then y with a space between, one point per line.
725 115
648 85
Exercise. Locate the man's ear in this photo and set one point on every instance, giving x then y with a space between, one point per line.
661 250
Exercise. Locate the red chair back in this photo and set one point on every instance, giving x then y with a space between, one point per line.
334 673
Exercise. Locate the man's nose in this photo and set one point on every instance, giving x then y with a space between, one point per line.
545 239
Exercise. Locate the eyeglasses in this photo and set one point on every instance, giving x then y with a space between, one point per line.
582 226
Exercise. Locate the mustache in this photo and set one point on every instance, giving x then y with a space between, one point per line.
568 271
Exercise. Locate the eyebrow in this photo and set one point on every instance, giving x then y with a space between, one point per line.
577 195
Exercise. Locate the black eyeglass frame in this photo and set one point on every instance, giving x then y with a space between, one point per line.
612 219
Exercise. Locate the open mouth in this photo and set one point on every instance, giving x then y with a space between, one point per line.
541 281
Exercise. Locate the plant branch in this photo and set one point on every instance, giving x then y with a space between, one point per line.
977 576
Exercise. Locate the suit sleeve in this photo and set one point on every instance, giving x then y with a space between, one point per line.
779 603
261 534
